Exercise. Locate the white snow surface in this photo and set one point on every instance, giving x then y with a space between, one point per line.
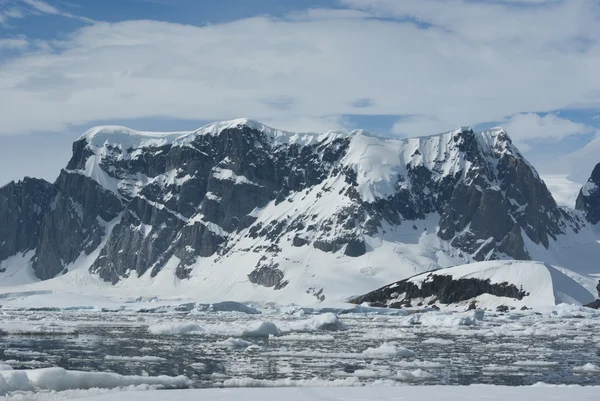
580 163
125 138
382 392
563 190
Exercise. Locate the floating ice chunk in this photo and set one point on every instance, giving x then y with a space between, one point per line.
387 350
14 380
174 328
418 364
306 337
417 374
199 366
369 373
438 341
264 329
587 368
227 306
235 343
145 358
59 379
499 368
34 328
445 319
250 382
535 364
326 321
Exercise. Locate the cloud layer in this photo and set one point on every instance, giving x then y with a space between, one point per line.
436 64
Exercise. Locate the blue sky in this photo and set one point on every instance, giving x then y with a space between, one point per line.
398 68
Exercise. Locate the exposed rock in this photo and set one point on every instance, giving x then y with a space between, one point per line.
588 199
74 223
268 276
444 288
23 206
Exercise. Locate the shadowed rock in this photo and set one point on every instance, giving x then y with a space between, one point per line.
444 288
588 199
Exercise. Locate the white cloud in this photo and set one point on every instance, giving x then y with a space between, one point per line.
494 22
42 6
22 8
309 124
13 43
9 12
478 63
420 125
531 126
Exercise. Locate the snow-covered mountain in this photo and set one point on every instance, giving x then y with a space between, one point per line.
500 284
239 210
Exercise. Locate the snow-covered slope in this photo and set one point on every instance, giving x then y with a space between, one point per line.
238 210
564 191
489 284
580 163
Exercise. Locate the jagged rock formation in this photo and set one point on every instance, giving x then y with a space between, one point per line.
59 222
588 199
23 206
241 192
439 288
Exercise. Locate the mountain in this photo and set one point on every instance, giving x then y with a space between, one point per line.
490 284
240 210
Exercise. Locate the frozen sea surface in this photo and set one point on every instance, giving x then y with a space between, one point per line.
304 347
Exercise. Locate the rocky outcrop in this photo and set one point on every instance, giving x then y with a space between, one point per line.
593 305
588 199
23 206
437 288
268 276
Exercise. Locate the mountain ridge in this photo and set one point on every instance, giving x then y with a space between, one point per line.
241 193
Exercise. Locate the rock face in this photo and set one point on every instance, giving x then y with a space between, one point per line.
59 222
588 199
23 206
438 288
241 192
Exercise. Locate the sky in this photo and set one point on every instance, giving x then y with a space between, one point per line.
395 68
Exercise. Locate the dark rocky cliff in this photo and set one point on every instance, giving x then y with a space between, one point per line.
588 199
